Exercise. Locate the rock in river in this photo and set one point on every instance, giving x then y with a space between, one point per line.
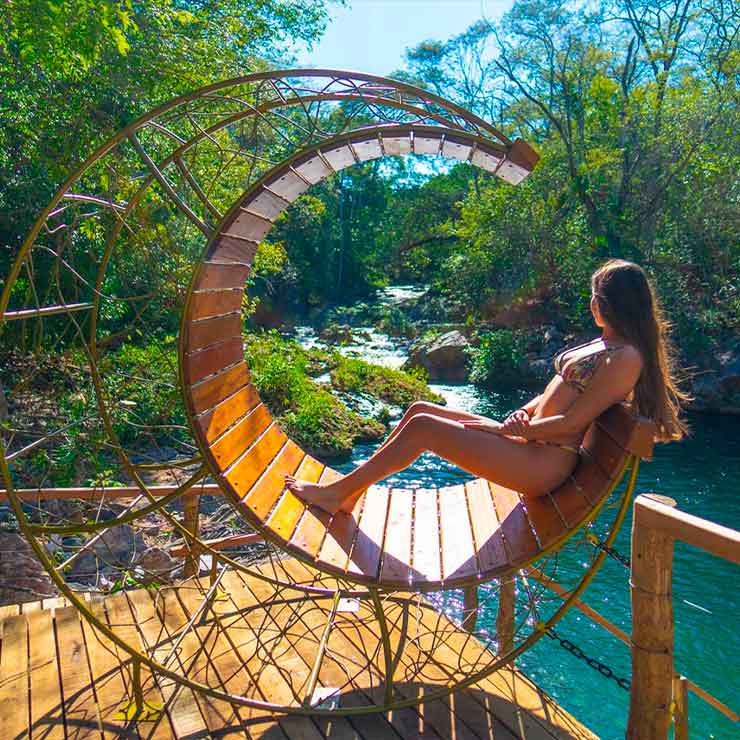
443 357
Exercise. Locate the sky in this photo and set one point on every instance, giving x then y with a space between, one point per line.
372 35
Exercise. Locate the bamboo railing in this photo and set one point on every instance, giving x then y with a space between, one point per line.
657 695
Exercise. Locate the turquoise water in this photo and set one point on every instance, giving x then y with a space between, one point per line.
702 474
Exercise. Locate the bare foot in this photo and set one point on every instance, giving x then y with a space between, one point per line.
326 496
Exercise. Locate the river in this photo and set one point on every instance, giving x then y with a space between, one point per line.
702 473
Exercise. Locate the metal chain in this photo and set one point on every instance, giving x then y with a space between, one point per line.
597 665
610 551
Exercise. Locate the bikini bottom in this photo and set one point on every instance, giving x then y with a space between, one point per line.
568 448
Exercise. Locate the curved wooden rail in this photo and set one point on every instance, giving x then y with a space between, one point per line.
423 539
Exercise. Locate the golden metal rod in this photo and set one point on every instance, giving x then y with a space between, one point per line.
314 675
28 313
385 639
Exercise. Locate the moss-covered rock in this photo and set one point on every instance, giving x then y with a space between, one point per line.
386 384
322 423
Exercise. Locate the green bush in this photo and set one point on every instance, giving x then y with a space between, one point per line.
497 357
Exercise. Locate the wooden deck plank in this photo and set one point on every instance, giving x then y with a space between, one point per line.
458 550
278 679
246 470
545 519
227 448
353 641
489 542
289 510
80 707
266 204
348 664
340 537
232 674
212 359
107 676
9 610
234 250
214 303
206 394
185 715
572 504
204 333
591 478
517 532
215 422
509 689
427 547
604 451
14 699
635 434
219 276
456 654
195 659
262 645
309 624
46 694
123 623
311 530
249 226
395 568
287 185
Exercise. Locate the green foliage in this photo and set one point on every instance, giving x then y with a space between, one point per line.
75 72
309 413
497 358
281 371
394 386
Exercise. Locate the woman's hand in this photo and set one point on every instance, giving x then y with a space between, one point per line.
516 423
483 425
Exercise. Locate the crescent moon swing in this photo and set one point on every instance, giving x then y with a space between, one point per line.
185 195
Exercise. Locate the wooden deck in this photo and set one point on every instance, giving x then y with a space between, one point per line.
58 680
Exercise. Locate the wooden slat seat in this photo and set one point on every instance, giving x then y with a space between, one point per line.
424 539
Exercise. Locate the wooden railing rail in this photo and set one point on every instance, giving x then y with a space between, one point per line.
98 493
655 695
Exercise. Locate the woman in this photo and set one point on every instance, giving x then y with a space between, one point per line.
536 447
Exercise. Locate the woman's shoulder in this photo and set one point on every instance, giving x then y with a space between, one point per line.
625 357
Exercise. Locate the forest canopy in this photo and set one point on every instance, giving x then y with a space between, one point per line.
633 106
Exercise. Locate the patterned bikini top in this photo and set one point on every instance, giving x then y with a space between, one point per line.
579 372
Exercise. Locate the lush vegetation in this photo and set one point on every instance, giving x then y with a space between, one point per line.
320 421
633 106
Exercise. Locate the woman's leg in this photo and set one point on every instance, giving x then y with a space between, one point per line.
426 407
532 469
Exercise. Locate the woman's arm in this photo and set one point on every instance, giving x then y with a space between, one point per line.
531 406
612 382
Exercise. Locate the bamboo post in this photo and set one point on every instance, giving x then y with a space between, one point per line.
191 512
470 607
505 616
652 629
680 708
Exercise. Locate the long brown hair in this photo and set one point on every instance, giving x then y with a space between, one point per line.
627 302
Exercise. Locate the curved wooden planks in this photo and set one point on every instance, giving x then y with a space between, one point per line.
399 538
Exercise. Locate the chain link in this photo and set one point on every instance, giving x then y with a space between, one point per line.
610 551
597 665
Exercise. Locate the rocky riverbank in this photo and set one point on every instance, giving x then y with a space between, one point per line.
513 347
